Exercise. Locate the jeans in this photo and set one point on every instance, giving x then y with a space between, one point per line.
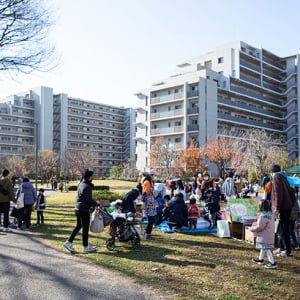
292 233
83 221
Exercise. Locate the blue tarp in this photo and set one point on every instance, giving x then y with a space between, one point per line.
294 181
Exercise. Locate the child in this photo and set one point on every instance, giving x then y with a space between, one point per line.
159 207
193 213
213 207
265 234
40 205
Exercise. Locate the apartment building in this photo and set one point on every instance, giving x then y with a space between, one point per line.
226 91
62 123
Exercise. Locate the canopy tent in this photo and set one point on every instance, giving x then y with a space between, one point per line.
293 170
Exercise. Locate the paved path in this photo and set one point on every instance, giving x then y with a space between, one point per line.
31 269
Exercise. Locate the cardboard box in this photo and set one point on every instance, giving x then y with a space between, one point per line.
236 230
249 236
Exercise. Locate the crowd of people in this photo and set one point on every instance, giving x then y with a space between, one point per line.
177 203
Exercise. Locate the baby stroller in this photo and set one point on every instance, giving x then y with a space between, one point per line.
125 229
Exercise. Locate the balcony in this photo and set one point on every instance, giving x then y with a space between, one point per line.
192 94
166 114
247 122
252 109
193 110
167 130
193 127
166 98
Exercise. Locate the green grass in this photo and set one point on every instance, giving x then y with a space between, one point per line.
189 266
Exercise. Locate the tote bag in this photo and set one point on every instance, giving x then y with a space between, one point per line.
20 201
96 224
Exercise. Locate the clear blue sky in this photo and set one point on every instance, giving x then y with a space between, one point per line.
110 49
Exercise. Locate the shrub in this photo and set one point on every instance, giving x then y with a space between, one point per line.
95 188
106 195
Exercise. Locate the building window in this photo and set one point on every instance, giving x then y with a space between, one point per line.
220 60
177 140
178 123
177 107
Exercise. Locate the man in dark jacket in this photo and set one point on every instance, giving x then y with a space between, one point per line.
84 202
128 203
281 206
176 213
6 195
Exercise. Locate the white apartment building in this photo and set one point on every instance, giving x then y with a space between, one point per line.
60 123
229 90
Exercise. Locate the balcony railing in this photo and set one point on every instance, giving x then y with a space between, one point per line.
247 122
166 114
166 130
166 98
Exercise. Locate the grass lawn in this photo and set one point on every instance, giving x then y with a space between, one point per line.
190 266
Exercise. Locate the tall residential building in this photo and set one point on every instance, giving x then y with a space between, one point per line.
61 123
227 91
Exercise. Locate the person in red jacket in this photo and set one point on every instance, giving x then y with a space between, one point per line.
193 213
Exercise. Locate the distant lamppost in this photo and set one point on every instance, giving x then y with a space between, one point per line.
36 152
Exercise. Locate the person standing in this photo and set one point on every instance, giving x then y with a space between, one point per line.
24 219
6 195
228 188
281 205
40 206
265 234
84 202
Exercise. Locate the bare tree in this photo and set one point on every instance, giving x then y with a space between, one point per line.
262 149
76 161
24 27
163 158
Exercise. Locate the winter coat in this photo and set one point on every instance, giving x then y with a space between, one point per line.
29 193
128 203
177 211
280 197
84 200
228 187
40 203
7 186
264 228
294 212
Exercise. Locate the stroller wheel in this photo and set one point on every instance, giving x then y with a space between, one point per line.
110 244
136 243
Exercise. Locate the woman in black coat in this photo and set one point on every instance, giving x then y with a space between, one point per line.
176 214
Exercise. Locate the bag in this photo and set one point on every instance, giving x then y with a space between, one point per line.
96 224
107 218
20 201
15 213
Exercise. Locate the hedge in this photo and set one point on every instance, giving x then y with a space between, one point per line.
95 188
106 195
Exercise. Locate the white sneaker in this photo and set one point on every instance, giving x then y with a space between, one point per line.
89 249
7 229
68 245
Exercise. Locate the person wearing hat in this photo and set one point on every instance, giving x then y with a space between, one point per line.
207 183
40 206
282 203
84 202
6 195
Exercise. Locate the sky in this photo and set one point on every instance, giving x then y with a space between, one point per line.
111 49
